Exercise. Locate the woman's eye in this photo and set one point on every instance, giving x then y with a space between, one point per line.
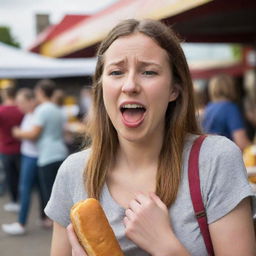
149 73
115 73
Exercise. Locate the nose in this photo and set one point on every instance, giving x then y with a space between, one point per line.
130 84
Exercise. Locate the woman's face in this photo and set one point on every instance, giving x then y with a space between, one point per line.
23 104
137 86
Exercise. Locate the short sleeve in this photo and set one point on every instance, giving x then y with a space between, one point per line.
60 203
234 119
39 116
224 179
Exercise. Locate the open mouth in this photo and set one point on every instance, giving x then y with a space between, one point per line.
133 113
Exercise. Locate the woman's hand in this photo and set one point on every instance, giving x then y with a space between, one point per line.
147 224
77 249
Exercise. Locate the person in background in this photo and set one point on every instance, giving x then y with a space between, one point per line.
26 102
85 103
2 178
10 116
58 97
250 114
48 131
142 129
201 99
222 115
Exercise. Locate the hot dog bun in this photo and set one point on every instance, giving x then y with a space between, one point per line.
93 230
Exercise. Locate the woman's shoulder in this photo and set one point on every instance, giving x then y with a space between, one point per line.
220 145
75 162
214 146
80 155
219 155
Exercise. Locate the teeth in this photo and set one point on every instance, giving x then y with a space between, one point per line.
132 106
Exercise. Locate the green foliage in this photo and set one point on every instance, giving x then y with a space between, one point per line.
236 51
7 38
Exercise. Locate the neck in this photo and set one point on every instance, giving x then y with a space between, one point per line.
137 156
9 102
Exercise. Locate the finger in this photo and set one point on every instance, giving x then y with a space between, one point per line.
129 214
72 236
143 199
157 200
126 221
77 249
134 205
75 253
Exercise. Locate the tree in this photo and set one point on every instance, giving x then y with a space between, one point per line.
7 38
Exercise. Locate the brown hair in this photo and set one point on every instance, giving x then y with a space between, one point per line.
27 93
9 92
222 86
47 87
58 97
180 115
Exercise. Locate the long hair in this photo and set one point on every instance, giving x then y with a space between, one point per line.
179 121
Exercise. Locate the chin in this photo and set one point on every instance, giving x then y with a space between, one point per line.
133 136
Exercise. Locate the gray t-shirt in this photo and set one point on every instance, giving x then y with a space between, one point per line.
223 184
50 144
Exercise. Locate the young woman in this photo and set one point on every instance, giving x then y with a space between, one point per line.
142 129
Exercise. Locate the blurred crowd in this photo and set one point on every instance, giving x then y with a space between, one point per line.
38 129
227 108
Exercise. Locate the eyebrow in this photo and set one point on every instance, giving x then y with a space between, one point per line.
148 63
143 63
116 63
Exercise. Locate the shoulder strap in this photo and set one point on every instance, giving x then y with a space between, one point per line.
195 192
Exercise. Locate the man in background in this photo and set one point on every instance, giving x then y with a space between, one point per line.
10 116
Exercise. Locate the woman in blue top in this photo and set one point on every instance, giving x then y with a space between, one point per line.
222 116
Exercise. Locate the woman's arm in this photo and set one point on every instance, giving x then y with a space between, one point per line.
65 242
60 243
33 134
233 234
241 139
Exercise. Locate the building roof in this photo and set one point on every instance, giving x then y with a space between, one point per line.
82 38
217 21
54 31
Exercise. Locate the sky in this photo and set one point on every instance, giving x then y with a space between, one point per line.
19 15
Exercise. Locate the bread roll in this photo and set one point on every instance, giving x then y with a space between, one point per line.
93 230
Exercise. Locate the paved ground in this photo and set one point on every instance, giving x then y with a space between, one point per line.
35 243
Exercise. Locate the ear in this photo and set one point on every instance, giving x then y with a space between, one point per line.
174 93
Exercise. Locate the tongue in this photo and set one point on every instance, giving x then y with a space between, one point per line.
133 115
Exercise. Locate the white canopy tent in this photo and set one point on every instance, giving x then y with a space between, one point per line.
17 63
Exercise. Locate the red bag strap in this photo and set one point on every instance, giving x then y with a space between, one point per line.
195 192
